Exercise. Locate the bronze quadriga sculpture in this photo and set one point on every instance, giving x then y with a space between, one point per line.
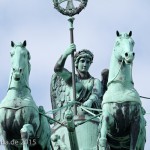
87 114
120 127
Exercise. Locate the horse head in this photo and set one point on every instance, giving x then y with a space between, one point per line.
123 49
20 57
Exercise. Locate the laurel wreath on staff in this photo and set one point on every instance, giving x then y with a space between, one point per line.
70 12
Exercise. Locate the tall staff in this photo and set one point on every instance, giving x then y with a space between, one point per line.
70 11
71 19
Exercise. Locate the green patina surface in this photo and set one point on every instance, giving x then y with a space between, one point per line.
122 124
88 93
118 121
20 120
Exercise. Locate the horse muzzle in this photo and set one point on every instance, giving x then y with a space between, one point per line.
16 77
129 57
17 74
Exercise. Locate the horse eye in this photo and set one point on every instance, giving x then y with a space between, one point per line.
132 43
11 54
117 43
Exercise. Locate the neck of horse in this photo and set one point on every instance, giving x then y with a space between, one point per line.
120 73
19 88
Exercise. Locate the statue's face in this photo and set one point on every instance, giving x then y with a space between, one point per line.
84 64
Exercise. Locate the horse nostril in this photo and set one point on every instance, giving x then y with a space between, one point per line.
126 54
20 70
133 54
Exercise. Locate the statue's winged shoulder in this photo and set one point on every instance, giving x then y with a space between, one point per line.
58 91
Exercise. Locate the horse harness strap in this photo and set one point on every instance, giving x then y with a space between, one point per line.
17 108
14 88
116 74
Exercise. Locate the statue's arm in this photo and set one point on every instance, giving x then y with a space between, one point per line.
61 71
59 67
96 91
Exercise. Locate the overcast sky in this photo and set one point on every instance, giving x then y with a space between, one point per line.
47 35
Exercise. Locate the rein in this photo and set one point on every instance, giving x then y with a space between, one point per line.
145 97
116 74
14 88
131 77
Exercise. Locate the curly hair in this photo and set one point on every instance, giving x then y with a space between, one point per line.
83 53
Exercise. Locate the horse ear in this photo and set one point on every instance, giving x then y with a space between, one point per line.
12 44
130 33
117 33
24 43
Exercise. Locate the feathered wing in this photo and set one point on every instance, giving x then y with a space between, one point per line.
59 95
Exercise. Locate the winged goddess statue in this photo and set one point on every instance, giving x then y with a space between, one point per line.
88 88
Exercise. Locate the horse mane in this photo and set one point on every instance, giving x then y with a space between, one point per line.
28 53
29 57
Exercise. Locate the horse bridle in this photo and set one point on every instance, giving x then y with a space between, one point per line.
14 88
118 72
